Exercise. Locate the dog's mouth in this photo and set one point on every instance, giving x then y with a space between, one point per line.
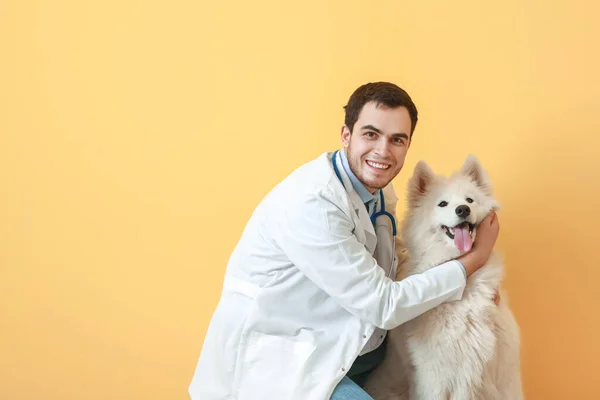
461 234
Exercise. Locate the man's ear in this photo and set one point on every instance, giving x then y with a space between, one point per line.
422 178
345 136
472 169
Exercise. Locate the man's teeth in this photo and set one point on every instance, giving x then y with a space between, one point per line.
377 165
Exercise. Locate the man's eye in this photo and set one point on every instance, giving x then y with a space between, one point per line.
399 141
443 204
370 134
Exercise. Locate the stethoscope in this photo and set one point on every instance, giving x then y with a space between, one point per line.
375 215
381 198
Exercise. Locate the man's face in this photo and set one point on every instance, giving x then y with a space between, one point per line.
377 146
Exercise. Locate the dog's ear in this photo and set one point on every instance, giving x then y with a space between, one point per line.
472 169
423 176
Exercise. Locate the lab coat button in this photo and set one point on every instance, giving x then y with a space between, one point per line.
364 336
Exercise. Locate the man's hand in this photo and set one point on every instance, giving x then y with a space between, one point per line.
487 233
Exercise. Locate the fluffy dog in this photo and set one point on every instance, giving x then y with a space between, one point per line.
460 350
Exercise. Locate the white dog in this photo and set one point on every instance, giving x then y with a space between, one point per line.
461 350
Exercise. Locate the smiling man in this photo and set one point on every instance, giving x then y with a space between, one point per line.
309 294
376 153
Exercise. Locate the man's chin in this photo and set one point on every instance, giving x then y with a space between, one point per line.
374 180
374 185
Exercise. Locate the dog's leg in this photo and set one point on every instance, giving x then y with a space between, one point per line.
392 396
513 389
489 390
516 390
425 388
391 379
507 373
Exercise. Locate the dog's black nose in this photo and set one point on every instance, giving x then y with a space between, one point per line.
463 211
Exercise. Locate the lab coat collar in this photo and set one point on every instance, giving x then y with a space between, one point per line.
359 207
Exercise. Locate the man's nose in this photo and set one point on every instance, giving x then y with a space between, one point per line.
382 148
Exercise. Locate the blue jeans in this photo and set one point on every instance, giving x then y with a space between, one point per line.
348 390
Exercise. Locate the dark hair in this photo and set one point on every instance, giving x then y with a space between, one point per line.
382 93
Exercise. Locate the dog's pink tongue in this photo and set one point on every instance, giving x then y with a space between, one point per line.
462 238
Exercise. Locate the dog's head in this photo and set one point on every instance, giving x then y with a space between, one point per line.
444 212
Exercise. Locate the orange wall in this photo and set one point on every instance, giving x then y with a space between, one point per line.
136 139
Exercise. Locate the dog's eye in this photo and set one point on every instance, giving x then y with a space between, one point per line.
469 200
443 204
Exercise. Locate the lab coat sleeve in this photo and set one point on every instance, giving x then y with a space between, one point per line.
317 237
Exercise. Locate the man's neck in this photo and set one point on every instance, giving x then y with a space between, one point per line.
362 191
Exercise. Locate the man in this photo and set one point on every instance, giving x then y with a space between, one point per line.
309 293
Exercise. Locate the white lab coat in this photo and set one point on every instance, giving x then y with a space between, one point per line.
303 295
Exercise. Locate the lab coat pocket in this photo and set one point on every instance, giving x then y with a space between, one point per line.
273 367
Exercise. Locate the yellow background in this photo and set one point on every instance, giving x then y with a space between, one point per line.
136 138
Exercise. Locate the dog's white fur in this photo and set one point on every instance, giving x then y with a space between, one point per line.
461 350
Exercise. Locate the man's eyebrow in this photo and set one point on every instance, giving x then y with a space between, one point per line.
372 128
402 135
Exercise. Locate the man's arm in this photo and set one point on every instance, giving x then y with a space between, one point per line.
317 236
487 233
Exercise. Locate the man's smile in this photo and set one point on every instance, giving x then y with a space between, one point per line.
377 165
